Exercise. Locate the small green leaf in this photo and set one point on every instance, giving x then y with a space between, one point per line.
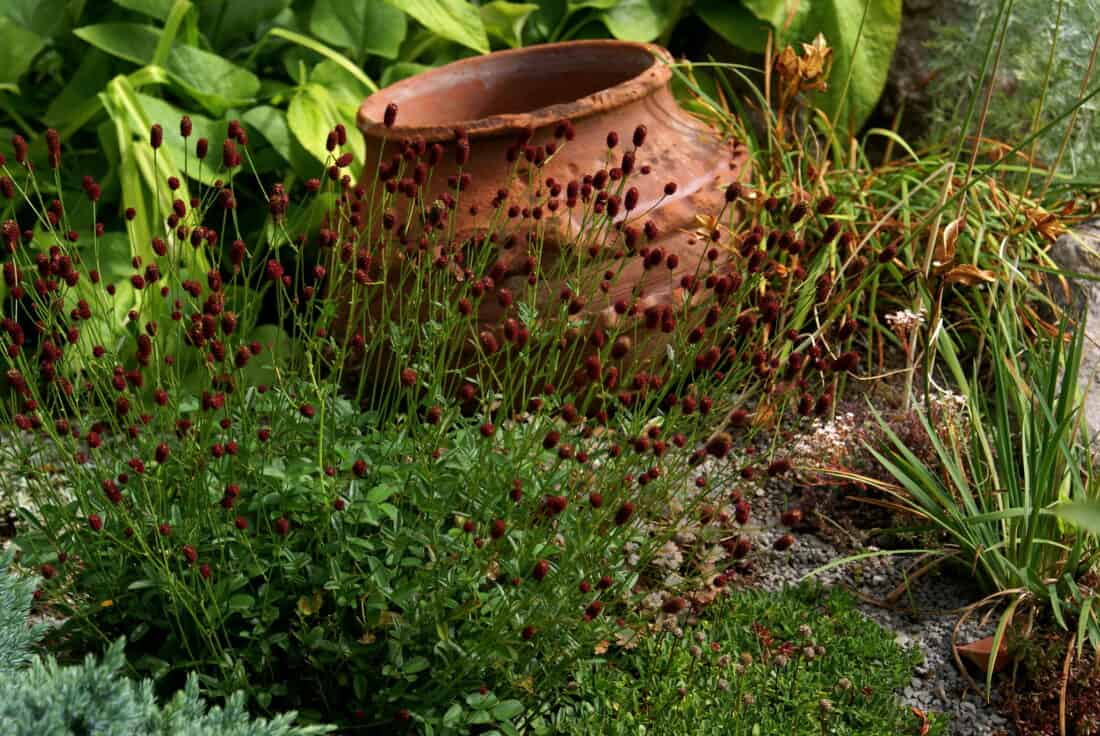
640 20
416 664
363 26
378 494
456 20
505 20
507 710
453 717
241 602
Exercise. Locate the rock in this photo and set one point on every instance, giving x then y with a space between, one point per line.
1078 252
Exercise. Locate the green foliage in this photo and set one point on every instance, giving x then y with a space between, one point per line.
18 636
797 662
40 696
1006 488
862 34
1047 66
94 699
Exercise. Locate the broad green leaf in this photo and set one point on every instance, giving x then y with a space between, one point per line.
270 123
779 14
505 20
214 82
312 114
868 62
241 602
378 494
545 22
93 73
640 20
43 17
323 50
153 8
180 150
735 23
456 20
401 70
18 47
346 88
1084 514
363 26
225 20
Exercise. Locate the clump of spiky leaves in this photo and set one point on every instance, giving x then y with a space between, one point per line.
1011 490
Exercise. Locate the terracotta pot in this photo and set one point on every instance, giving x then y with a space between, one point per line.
598 87
979 653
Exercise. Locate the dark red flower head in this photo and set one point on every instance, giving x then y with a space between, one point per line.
542 567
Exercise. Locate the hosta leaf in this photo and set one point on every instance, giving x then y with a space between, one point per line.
401 70
735 23
505 20
867 61
640 20
456 20
311 115
154 8
363 26
1084 514
18 47
214 82
42 17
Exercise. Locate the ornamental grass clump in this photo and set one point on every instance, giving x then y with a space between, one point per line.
305 468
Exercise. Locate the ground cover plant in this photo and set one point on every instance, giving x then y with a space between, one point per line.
801 661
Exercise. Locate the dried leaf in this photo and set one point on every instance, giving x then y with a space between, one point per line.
968 275
601 647
945 245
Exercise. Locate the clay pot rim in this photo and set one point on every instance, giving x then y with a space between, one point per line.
656 76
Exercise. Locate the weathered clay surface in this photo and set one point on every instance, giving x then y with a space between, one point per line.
599 87
1078 252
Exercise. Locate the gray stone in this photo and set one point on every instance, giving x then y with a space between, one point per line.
1077 254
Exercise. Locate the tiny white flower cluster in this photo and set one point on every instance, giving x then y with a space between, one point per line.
829 442
905 320
669 556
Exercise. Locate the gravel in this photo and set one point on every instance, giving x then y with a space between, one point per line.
923 619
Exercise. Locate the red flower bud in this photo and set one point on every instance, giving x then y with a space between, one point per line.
542 567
